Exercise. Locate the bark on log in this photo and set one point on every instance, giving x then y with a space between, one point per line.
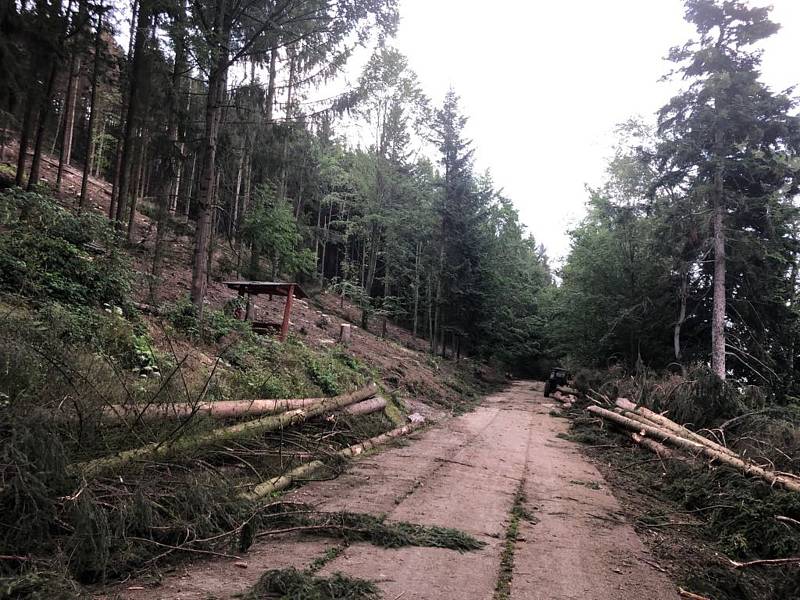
249 428
697 448
225 409
366 407
281 482
659 450
661 420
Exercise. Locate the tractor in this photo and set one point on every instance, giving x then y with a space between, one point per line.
558 376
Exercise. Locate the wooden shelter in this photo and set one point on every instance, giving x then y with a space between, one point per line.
273 288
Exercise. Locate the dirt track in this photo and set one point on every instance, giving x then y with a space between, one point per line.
464 473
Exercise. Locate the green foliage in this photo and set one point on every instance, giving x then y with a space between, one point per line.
48 252
271 231
291 584
265 368
216 324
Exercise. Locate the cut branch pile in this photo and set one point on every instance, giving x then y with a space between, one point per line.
653 431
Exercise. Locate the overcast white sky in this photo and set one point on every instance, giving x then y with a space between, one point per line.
545 82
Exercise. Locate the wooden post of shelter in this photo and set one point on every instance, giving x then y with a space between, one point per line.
287 311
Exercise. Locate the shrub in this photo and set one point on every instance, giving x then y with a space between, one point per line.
49 253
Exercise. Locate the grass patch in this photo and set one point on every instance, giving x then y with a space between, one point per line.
592 485
291 584
330 554
502 589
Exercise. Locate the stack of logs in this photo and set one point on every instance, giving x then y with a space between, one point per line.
663 436
264 415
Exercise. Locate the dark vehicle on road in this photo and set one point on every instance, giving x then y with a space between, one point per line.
558 376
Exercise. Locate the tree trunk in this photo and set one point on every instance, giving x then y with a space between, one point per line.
190 190
676 336
719 310
24 140
44 111
416 287
65 154
87 167
170 176
132 113
205 199
112 207
303 471
372 265
136 188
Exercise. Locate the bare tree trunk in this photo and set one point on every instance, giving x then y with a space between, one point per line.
87 167
65 154
136 188
285 153
416 287
33 179
97 158
187 207
69 127
170 177
719 309
676 337
243 211
214 225
216 90
132 113
24 140
372 264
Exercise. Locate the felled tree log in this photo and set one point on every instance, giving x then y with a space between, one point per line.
281 482
661 420
185 444
659 450
366 407
223 409
697 448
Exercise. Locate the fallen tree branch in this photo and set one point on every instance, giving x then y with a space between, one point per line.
692 596
185 548
766 561
281 482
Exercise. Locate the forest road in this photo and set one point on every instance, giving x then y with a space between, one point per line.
574 542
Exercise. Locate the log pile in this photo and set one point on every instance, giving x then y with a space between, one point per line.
656 432
161 450
224 409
